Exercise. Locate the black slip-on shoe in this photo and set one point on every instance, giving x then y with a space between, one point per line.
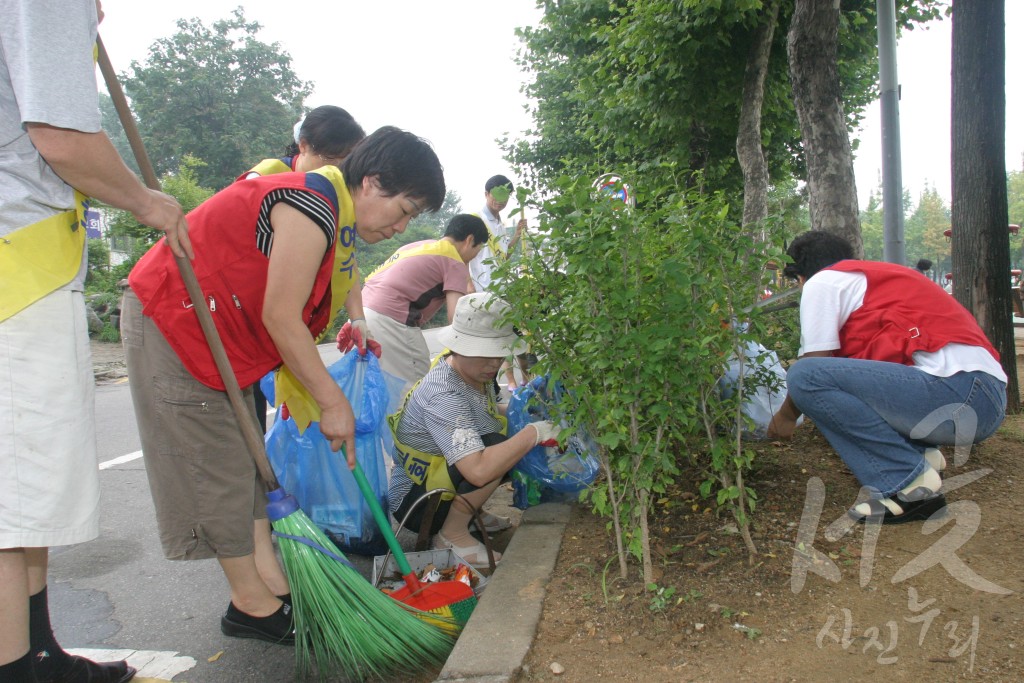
83 669
275 628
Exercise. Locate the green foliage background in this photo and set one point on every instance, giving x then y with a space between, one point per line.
639 311
216 93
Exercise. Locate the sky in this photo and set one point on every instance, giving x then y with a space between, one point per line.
445 71
442 70
924 65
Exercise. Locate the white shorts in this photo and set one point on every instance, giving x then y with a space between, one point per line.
49 480
404 351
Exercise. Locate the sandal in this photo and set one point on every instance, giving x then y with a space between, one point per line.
896 511
473 555
492 523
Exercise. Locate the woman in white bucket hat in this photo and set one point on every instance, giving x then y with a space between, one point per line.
451 432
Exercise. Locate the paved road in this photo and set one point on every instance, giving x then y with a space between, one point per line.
118 597
119 593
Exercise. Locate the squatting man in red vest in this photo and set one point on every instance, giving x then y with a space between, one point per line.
890 367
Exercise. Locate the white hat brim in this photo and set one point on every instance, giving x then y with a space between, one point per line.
481 347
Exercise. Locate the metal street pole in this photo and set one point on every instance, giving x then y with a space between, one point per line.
894 250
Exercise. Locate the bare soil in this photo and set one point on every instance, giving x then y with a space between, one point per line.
108 362
934 601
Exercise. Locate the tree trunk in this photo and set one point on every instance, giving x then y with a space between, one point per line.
981 242
748 139
812 41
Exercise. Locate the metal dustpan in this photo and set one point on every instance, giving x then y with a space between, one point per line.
386 573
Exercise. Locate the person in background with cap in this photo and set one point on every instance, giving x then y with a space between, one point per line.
451 432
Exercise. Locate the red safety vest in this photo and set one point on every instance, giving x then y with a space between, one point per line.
904 312
232 273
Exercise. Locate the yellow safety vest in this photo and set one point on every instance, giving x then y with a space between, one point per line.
492 243
441 247
431 467
270 167
287 387
41 258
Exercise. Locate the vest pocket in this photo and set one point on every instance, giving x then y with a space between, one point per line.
233 317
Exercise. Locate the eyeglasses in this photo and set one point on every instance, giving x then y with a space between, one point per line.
331 161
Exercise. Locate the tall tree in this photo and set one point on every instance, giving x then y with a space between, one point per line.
813 71
749 151
981 248
642 82
112 126
925 231
872 228
648 82
217 93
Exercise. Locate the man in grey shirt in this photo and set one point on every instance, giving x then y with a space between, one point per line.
51 145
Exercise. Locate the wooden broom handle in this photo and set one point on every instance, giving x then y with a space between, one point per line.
243 415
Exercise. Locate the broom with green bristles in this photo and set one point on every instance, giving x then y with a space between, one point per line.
448 604
341 619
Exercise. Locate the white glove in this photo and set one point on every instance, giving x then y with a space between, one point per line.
359 325
546 431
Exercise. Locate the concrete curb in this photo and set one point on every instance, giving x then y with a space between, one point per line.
498 636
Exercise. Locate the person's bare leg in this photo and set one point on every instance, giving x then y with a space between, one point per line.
37 562
456 524
14 592
266 559
248 591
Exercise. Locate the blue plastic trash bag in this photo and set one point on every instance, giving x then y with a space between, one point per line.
320 479
545 472
267 387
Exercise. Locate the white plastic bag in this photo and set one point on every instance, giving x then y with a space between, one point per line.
764 387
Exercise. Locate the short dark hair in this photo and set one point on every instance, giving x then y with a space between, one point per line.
815 250
496 181
330 131
463 225
924 264
402 162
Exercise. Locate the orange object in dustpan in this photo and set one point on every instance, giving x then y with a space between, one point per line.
451 601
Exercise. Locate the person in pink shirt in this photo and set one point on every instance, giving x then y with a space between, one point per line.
411 286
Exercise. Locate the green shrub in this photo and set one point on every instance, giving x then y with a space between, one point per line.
633 311
109 334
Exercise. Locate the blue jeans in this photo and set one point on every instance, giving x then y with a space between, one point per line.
881 416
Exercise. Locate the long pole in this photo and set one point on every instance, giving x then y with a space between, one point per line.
253 439
894 250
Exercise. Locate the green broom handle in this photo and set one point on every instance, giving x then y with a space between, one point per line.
253 439
385 526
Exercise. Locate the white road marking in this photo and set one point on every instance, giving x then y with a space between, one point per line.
121 460
162 665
